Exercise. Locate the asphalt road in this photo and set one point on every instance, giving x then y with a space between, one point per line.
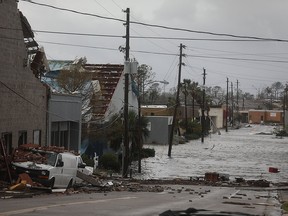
249 201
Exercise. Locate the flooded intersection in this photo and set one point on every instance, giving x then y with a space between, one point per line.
246 152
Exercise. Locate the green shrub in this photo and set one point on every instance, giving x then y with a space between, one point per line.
88 161
282 133
285 206
192 136
109 161
145 153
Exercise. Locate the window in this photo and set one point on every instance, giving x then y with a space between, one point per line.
60 134
37 137
22 138
7 139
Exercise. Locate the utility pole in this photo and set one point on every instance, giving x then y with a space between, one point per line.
285 107
232 105
139 127
237 97
203 108
227 107
185 101
126 91
177 102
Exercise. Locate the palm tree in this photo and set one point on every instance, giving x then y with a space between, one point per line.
184 88
115 131
195 93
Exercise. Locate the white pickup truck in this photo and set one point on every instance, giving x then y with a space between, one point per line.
59 171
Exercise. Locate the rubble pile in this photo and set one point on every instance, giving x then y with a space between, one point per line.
34 153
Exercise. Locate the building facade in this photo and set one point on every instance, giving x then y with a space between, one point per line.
64 124
23 107
265 116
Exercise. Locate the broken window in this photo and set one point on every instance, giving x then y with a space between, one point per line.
22 138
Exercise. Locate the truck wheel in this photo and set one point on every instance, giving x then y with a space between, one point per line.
70 184
52 183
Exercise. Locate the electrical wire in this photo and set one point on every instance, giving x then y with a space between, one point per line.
149 37
169 54
74 11
78 34
33 104
158 26
237 59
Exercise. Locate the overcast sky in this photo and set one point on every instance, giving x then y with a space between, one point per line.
257 18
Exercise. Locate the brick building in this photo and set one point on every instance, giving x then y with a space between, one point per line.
265 116
23 97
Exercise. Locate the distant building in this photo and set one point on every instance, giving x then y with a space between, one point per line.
155 110
265 116
23 97
216 116
159 128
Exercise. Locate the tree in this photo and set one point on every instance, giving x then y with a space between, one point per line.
277 87
144 77
115 130
153 93
74 78
184 89
217 95
195 92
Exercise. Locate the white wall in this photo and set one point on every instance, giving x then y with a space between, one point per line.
217 113
117 101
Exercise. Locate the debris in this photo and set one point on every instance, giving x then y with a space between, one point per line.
19 186
88 178
24 177
273 170
258 183
236 203
212 176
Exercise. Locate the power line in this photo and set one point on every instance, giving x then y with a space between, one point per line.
143 37
150 37
77 45
210 33
74 11
33 104
168 54
78 34
156 53
159 26
237 59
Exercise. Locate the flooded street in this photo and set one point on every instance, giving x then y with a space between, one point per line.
239 153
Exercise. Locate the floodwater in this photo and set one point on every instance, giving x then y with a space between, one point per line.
238 153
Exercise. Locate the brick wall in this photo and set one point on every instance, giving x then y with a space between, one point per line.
267 116
23 97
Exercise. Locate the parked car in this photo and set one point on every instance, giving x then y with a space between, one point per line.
59 171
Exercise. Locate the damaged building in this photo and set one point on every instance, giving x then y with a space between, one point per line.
102 95
23 97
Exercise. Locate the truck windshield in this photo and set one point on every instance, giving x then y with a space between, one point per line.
51 158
